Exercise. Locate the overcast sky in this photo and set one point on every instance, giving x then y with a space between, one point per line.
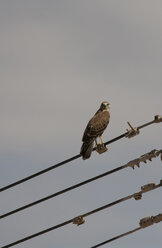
58 61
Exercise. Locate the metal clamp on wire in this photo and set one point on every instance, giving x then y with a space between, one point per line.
157 118
79 220
148 187
147 156
157 153
132 163
157 218
145 188
131 132
137 196
148 221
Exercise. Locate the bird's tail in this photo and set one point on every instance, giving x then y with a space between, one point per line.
86 149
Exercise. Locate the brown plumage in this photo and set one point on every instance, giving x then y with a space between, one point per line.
94 129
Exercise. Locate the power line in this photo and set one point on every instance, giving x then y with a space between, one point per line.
39 173
117 237
145 222
147 156
37 234
80 219
130 133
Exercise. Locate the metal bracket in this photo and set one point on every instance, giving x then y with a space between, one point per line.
131 132
79 220
137 196
145 222
148 187
158 118
133 163
147 156
150 220
157 218
101 148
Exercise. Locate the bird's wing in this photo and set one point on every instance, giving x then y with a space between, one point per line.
96 125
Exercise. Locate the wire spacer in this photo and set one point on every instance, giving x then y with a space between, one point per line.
131 132
79 220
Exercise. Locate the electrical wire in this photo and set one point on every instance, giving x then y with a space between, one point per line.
59 193
145 222
80 219
143 158
117 237
128 134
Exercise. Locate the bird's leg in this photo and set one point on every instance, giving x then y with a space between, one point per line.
100 148
96 142
102 142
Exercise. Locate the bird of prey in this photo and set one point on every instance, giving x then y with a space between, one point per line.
95 129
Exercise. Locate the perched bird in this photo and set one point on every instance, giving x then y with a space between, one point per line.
95 129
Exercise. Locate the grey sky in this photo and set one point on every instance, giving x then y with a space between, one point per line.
58 61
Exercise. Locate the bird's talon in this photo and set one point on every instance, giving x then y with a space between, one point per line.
101 148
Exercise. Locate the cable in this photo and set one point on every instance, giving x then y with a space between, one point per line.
58 193
145 222
37 234
117 237
147 156
130 133
80 219
39 173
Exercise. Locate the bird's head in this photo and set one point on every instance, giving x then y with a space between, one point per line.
105 106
